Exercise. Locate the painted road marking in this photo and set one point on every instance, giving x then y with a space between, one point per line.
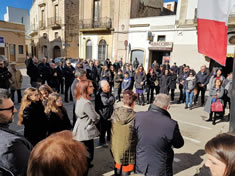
192 140
200 126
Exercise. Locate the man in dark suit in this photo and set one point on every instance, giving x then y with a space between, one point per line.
157 133
14 148
69 77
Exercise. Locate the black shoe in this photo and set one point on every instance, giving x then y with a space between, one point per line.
190 108
186 107
208 120
213 123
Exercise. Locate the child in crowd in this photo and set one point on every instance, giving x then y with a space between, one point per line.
126 83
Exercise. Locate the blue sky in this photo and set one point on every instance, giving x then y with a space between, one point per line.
25 4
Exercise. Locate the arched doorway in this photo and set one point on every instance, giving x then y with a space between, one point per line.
89 49
56 52
102 50
139 54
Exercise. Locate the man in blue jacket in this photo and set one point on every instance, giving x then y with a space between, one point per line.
14 148
157 133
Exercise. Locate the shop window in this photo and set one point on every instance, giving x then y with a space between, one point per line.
21 49
139 54
161 38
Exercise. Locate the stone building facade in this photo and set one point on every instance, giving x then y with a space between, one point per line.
104 26
12 41
54 28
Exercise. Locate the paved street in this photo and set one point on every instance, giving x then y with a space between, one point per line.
188 160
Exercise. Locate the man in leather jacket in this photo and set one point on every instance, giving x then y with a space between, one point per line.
14 148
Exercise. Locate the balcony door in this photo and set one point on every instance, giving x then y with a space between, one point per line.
96 12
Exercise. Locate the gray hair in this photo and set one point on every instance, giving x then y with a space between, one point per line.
4 94
103 82
162 100
80 72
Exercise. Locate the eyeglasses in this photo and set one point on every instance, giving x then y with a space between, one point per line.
10 108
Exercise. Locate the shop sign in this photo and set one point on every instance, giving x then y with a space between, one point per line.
161 46
2 43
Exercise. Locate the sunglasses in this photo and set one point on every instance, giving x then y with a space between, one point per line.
10 108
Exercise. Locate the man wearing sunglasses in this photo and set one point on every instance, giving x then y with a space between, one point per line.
14 148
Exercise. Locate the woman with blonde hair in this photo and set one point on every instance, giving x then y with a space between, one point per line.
220 155
32 116
85 129
45 91
57 115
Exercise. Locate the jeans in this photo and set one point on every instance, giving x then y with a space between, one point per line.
189 98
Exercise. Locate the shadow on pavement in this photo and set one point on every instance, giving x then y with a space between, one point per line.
203 171
185 161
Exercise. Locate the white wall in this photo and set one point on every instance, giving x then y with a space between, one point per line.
192 5
15 15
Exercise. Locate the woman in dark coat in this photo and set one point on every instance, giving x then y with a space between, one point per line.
216 94
165 82
172 87
57 115
140 79
151 84
32 115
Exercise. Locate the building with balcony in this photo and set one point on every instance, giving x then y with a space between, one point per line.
12 41
104 26
54 28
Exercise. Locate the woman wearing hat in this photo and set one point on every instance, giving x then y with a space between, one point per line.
15 81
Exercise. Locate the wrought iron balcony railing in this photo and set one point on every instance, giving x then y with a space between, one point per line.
54 21
95 23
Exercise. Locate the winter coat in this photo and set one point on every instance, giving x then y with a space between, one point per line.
57 123
60 72
202 78
69 75
175 69
136 64
157 133
165 83
5 76
190 83
87 117
132 76
53 80
212 94
92 74
116 66
173 81
118 81
104 104
212 80
35 122
16 79
14 151
44 70
151 80
227 85
182 77
34 73
124 139
141 77
106 75
99 70
126 84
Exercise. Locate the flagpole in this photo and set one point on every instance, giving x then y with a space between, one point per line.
232 110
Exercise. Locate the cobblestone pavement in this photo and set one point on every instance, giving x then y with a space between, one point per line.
188 161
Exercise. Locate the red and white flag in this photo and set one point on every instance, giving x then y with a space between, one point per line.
212 20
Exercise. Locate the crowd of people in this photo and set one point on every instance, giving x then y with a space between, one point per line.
94 88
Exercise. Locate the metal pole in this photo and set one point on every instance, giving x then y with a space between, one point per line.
232 110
